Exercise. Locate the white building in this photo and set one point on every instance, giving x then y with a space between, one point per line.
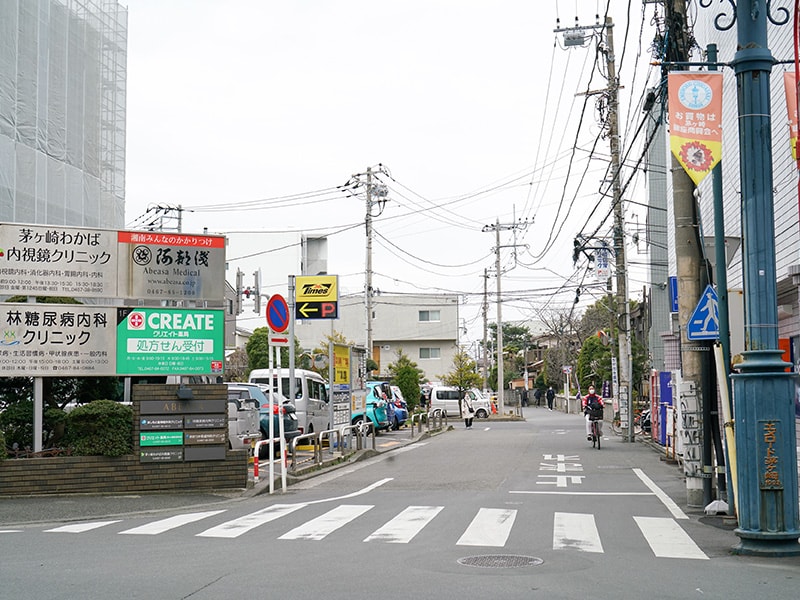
423 326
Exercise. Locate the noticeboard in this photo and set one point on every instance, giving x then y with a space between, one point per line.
77 262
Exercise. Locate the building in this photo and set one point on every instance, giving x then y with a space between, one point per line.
424 327
62 112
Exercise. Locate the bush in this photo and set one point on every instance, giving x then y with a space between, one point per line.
100 428
3 452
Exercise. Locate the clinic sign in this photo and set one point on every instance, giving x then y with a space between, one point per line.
162 340
47 260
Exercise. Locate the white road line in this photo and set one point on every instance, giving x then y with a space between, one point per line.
577 531
544 492
667 539
402 528
81 527
10 530
163 525
235 528
666 500
360 492
490 527
323 525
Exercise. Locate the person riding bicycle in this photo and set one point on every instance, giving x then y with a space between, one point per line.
592 405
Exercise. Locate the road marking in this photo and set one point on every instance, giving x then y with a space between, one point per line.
666 500
490 527
235 528
667 539
360 492
10 530
163 525
554 493
402 528
322 526
577 531
81 527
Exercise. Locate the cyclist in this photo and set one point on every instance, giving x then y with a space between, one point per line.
592 402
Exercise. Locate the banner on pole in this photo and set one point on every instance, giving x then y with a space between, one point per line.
790 87
695 113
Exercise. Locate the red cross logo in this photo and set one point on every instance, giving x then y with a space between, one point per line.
136 321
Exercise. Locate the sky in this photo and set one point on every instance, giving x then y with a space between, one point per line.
258 116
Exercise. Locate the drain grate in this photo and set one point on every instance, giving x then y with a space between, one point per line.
500 561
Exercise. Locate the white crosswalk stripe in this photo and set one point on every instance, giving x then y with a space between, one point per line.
81 527
235 528
576 530
490 528
402 528
667 539
170 523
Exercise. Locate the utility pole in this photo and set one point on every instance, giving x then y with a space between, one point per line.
497 227
687 252
571 36
485 329
368 268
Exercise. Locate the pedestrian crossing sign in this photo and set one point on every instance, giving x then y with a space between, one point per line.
704 322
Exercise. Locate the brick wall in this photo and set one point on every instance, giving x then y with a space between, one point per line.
125 474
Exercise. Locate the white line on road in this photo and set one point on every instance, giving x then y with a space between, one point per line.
576 530
81 527
667 539
581 493
490 527
237 527
319 528
666 500
402 528
163 525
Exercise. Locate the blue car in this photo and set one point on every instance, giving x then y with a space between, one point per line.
396 408
377 408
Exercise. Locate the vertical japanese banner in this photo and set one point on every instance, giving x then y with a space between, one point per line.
790 88
695 116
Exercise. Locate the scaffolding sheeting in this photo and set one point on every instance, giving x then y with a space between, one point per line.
62 112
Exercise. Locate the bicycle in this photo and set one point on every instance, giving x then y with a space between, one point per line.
595 433
617 428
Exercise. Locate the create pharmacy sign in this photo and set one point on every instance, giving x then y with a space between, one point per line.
48 260
154 341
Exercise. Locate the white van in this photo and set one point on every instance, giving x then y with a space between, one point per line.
447 398
311 396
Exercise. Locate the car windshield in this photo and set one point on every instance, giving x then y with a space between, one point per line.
257 395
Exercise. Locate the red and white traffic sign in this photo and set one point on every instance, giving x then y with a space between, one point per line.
277 313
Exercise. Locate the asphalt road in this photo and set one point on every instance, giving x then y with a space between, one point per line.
506 509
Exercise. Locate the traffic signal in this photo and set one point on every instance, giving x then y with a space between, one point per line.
257 291
246 293
239 282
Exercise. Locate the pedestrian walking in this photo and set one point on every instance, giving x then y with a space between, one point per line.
537 395
524 398
467 412
550 395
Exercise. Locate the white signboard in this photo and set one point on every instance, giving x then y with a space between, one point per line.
42 340
46 260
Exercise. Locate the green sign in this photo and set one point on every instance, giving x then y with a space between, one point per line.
161 438
166 341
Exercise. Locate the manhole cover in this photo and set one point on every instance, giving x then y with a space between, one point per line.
500 561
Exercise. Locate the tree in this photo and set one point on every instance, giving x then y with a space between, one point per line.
464 375
515 339
406 375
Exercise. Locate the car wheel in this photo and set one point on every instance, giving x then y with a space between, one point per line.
481 414
396 424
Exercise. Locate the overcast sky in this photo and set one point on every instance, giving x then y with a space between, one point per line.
251 114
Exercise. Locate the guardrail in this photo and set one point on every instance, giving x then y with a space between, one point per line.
282 453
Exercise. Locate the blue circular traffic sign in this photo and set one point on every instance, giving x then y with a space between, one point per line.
277 313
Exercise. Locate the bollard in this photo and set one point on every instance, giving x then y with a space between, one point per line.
255 468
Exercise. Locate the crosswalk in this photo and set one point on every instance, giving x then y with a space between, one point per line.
490 528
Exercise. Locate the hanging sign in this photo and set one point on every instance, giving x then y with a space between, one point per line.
695 121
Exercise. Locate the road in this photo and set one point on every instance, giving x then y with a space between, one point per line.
505 510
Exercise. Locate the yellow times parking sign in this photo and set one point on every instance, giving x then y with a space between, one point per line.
317 297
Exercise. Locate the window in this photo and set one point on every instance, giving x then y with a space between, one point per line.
430 353
429 315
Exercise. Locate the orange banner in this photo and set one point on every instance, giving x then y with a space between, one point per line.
790 87
695 119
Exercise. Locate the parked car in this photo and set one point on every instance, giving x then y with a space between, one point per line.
377 406
310 397
447 398
400 407
267 410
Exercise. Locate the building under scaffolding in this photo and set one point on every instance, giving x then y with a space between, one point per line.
62 112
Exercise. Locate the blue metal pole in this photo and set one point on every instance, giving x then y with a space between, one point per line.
763 390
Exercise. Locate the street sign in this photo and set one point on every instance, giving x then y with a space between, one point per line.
277 313
704 322
673 294
316 297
